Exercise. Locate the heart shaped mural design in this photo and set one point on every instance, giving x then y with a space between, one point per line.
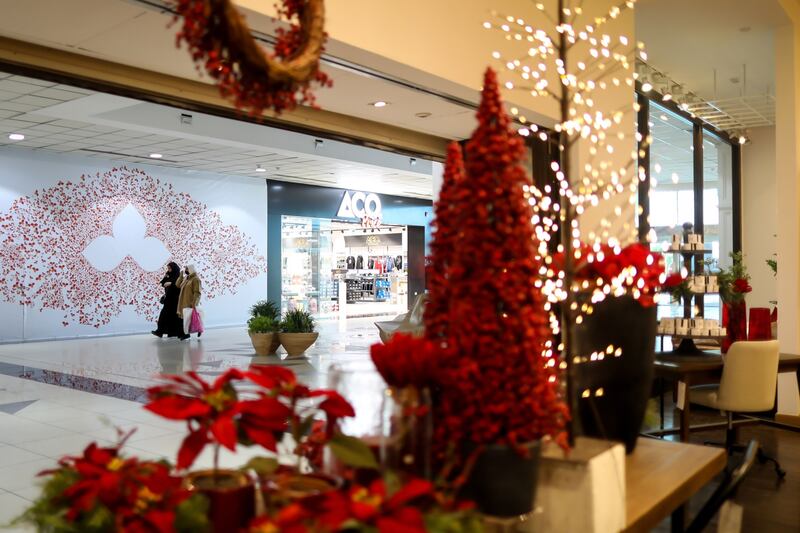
90 247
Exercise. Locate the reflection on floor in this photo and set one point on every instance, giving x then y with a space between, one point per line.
56 397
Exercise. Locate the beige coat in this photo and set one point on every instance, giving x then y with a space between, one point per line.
190 292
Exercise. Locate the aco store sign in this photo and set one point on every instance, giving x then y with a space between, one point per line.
363 206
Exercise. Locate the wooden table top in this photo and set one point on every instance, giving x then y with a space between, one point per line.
667 361
661 475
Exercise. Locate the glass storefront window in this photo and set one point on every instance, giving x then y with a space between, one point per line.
672 197
323 260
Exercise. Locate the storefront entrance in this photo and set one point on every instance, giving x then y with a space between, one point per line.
334 268
340 253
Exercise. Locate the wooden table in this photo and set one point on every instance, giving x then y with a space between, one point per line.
701 369
661 476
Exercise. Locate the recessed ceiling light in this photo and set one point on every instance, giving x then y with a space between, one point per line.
16 137
156 156
259 168
379 103
423 114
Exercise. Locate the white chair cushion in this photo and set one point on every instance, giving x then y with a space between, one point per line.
707 395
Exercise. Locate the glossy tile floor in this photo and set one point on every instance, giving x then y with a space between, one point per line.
56 397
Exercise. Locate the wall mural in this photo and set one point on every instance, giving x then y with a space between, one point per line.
92 246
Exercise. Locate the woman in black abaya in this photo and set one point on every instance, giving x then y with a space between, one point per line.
169 323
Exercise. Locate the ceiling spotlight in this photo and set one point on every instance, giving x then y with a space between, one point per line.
156 156
259 168
666 98
647 87
16 137
524 132
742 139
412 161
379 103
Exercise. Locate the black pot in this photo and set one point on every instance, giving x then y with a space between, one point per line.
503 482
616 413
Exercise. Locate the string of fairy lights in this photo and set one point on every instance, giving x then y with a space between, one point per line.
546 66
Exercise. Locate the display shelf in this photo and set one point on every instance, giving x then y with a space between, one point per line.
692 337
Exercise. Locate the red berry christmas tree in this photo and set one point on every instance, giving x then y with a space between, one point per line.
445 232
500 384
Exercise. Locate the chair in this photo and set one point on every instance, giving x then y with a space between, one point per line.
410 323
726 490
749 380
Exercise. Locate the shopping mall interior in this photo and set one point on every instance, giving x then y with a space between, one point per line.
199 198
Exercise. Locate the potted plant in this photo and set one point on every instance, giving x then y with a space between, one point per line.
263 331
614 341
265 308
103 491
297 332
734 284
215 415
312 423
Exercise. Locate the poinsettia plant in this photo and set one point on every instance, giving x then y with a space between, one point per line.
677 285
384 505
103 491
734 281
275 404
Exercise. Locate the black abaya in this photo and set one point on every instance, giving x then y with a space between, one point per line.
169 323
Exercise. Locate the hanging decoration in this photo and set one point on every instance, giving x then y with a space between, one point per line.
221 43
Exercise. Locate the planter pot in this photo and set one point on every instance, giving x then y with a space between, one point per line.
297 343
502 481
265 343
734 319
284 488
611 394
231 497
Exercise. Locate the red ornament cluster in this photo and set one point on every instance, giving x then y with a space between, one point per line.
443 245
219 40
407 361
497 384
635 268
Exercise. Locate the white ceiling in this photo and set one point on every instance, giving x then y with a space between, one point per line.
128 32
65 119
689 39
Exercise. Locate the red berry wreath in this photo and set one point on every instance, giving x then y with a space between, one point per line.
218 36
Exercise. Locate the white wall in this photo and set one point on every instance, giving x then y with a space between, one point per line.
83 243
759 214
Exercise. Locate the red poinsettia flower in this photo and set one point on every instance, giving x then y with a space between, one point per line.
214 413
406 360
141 496
742 286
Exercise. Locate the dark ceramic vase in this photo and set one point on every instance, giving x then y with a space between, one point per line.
611 393
503 482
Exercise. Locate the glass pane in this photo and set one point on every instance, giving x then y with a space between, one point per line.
672 193
718 197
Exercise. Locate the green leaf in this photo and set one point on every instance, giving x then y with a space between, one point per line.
352 451
263 466
191 515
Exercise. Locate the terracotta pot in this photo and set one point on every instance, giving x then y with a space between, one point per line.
502 481
231 497
265 343
297 343
284 488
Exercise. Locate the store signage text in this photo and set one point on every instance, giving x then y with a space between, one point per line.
360 205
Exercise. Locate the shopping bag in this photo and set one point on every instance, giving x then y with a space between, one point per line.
196 324
187 318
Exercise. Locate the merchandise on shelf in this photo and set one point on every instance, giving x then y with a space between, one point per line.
690 327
